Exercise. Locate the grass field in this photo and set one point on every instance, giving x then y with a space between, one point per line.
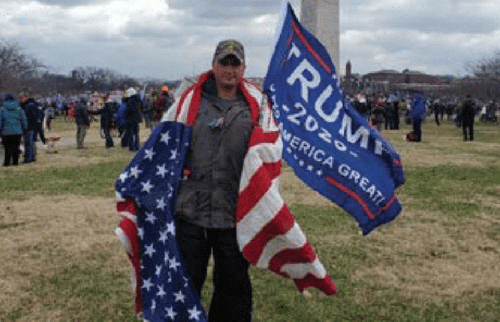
438 261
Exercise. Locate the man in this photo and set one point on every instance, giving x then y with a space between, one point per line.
133 118
467 114
30 110
82 119
417 114
206 204
162 104
106 113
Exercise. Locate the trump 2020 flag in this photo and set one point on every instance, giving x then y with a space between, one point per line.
327 143
146 191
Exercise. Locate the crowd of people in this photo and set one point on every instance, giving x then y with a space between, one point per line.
385 112
25 118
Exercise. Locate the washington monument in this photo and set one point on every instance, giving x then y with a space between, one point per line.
321 17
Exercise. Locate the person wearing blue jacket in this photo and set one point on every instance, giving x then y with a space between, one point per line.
417 114
13 123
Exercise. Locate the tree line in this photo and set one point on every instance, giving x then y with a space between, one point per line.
21 72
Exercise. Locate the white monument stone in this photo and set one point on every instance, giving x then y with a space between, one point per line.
321 17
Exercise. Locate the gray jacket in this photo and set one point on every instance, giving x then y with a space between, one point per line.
208 196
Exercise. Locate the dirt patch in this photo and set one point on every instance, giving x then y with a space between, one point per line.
433 261
40 236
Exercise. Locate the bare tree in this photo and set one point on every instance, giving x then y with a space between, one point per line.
17 68
485 78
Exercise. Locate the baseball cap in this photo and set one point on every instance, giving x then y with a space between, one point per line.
229 47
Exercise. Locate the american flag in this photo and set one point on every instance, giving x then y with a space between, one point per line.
146 188
267 232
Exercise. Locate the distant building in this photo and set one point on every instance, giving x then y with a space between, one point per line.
405 77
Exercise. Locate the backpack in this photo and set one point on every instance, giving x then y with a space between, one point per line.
121 114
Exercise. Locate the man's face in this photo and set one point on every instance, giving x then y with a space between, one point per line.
228 71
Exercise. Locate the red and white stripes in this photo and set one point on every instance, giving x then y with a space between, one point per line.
267 232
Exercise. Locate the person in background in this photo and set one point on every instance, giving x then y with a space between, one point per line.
417 114
378 115
49 116
133 119
13 123
40 115
467 113
107 112
82 119
30 110
163 103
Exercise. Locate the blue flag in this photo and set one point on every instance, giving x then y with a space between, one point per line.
328 144
151 180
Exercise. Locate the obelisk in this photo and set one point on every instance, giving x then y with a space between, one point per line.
321 17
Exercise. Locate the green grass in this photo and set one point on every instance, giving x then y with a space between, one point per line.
88 288
91 180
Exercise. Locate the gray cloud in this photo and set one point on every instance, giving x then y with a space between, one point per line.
71 3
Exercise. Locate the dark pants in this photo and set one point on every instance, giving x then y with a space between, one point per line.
108 138
29 146
417 130
133 136
124 136
81 132
396 121
468 126
11 144
232 293
436 117
39 131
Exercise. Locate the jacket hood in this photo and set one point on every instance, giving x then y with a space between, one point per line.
11 105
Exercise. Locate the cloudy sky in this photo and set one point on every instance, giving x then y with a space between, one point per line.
170 39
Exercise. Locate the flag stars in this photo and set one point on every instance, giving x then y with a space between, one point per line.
174 154
150 217
134 171
158 269
146 186
123 176
194 313
163 237
170 189
310 168
161 292
147 284
150 250
174 264
165 137
149 154
319 173
170 313
141 233
160 204
162 170
179 297
171 228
